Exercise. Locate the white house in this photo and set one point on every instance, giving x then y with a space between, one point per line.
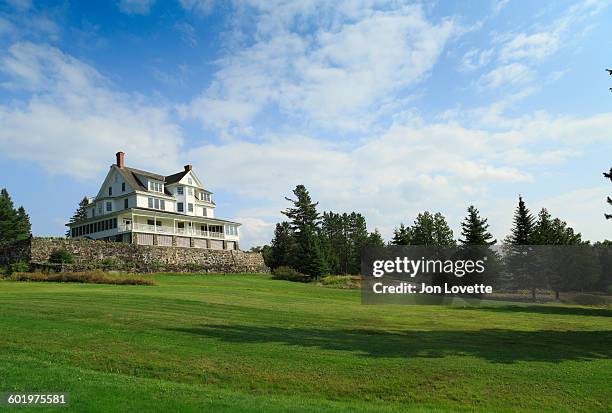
144 208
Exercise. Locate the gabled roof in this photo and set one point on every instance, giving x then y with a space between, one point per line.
171 179
129 174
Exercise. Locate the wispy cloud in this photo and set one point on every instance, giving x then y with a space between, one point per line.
141 7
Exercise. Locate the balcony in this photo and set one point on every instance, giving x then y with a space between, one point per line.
165 230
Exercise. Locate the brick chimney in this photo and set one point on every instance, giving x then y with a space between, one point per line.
188 168
120 159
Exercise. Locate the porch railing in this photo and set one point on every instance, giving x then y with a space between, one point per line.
160 229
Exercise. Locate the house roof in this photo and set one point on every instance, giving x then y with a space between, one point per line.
129 174
171 179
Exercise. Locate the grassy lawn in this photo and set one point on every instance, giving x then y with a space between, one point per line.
249 343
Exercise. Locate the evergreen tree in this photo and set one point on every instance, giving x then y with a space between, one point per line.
401 236
431 229
14 224
474 229
522 263
358 239
523 223
305 222
24 227
309 256
80 214
375 239
282 247
304 212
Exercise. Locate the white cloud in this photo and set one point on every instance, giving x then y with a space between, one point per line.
356 60
534 46
510 74
74 122
136 6
202 7
475 59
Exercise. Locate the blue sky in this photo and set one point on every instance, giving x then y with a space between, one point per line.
387 108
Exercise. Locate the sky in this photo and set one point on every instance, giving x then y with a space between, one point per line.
387 108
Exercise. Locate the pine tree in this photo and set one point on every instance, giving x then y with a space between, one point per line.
474 229
282 248
304 212
309 255
24 227
80 214
401 236
521 261
305 223
522 231
431 229
14 225
375 239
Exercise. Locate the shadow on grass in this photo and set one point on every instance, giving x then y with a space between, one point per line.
543 309
495 345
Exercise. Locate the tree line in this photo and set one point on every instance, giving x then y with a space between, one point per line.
14 222
331 243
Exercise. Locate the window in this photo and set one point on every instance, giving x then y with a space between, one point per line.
156 201
122 186
114 222
231 230
162 204
205 197
126 203
190 207
180 225
99 209
110 191
189 181
179 190
156 186
204 212
109 206
150 203
179 207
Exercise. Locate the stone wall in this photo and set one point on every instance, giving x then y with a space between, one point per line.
89 254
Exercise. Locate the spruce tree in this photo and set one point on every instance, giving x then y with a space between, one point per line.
474 229
80 214
522 263
375 239
282 247
304 212
14 224
523 223
24 227
401 236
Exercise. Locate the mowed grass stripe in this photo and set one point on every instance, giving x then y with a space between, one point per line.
256 337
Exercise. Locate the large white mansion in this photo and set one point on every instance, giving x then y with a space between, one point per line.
144 208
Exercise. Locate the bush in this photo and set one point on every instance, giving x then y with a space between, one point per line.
61 256
289 274
19 266
92 277
341 281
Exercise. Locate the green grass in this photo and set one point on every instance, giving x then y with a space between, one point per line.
248 343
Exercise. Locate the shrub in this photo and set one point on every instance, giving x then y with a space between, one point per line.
289 274
92 277
19 266
61 256
340 281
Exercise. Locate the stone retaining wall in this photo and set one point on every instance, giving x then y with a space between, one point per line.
89 254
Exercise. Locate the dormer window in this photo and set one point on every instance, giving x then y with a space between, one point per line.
205 197
156 186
